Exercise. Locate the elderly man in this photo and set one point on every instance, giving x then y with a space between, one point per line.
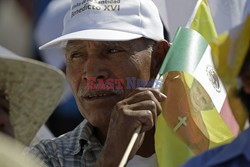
112 42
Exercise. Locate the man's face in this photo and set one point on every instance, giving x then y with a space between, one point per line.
104 60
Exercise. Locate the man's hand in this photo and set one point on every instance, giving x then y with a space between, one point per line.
140 108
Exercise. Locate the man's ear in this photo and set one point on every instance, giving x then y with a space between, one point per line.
158 55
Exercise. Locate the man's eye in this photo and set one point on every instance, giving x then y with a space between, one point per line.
75 55
112 51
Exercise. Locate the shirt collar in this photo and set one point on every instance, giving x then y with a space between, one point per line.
85 137
240 146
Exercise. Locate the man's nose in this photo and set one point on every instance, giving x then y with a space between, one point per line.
95 67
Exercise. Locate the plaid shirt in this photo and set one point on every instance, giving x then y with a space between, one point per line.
76 148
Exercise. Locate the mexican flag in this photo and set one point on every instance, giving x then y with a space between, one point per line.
191 121
202 21
229 51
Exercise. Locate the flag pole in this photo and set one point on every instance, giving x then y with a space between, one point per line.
135 135
130 147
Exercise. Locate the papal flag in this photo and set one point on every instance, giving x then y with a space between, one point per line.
191 122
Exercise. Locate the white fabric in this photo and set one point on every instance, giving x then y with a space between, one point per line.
138 161
226 13
110 20
175 13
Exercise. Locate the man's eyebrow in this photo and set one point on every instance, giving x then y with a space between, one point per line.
116 43
72 46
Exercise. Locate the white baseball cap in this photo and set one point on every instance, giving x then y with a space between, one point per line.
110 20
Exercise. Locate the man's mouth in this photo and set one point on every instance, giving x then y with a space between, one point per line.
99 94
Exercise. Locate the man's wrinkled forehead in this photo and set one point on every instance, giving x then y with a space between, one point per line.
83 44
87 43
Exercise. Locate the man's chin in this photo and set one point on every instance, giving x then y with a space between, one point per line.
101 124
98 117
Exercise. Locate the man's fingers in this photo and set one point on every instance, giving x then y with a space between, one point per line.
149 91
144 118
158 95
140 108
140 95
144 96
147 105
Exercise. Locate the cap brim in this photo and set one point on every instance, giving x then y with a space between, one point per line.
94 34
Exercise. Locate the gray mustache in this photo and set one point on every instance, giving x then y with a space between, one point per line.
83 92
